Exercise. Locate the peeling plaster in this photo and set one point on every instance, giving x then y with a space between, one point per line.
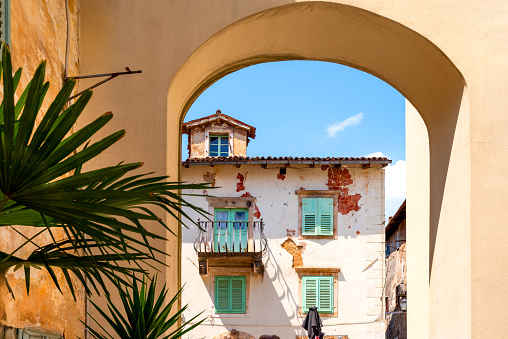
338 179
210 178
290 246
239 185
257 213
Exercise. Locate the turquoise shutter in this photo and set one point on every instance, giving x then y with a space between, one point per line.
325 290
310 293
230 293
239 218
309 216
325 224
222 294
317 291
237 295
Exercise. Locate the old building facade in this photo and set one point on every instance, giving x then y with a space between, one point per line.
284 234
396 275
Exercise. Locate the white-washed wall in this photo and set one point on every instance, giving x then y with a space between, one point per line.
273 300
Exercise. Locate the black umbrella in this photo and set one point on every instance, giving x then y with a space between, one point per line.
313 324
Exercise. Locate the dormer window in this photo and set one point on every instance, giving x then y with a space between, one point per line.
218 135
219 146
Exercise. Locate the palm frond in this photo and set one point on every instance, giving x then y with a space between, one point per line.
103 212
142 314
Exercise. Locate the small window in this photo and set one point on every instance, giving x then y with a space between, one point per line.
230 229
317 216
219 145
317 291
5 23
230 294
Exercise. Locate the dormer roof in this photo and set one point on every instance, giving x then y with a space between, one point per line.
219 117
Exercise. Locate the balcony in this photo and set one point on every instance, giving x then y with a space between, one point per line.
230 244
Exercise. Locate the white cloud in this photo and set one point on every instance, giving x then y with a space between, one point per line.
375 155
395 187
337 127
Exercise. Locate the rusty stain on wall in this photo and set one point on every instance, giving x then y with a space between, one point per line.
257 213
290 246
281 176
338 179
239 185
209 178
290 232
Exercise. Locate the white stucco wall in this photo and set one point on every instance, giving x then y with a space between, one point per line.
273 300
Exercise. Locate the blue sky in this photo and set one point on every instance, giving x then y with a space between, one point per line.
312 108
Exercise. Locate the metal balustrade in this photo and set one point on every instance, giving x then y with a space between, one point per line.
231 237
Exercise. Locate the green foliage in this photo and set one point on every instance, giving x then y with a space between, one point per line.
102 212
142 315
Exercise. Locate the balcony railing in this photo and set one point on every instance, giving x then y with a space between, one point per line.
228 237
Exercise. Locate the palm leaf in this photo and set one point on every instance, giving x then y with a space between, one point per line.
103 212
142 314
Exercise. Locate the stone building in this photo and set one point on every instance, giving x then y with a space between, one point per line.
396 275
283 234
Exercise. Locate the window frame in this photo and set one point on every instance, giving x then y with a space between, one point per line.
230 279
230 228
236 203
229 271
318 272
221 137
319 194
318 280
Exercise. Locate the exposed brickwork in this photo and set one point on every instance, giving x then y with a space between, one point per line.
239 185
290 246
339 179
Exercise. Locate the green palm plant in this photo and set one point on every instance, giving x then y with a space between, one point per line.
142 315
101 212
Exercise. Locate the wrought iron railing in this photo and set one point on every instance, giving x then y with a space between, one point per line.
231 237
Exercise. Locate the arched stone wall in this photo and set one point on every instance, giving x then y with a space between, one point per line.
407 61
233 334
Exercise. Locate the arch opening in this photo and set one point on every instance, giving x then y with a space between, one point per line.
407 61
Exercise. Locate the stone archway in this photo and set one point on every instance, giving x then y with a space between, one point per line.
423 74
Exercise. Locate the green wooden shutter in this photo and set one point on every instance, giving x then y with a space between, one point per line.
237 295
325 224
222 294
325 290
317 291
230 294
310 293
309 216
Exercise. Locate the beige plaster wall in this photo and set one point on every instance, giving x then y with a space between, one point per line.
274 300
430 52
39 32
417 219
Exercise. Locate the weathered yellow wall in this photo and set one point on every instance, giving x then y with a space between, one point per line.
39 32
448 58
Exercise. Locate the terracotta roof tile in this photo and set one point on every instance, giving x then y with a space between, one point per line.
269 159
217 116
